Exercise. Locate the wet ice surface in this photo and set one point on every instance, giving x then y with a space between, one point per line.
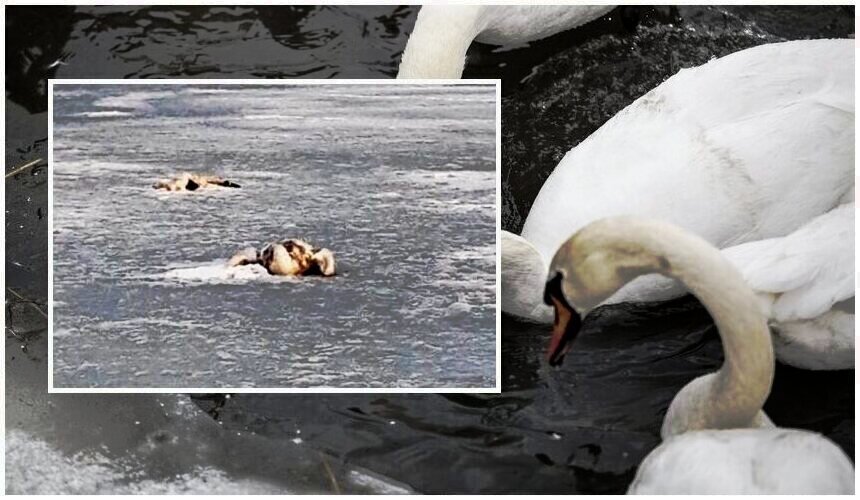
37 468
399 182
90 472
145 443
583 428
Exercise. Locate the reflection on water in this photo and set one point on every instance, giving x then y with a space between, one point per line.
581 428
200 41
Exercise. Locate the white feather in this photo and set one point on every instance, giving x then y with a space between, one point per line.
746 148
442 33
745 461
717 440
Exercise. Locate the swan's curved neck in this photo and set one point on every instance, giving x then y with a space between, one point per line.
738 391
438 43
735 394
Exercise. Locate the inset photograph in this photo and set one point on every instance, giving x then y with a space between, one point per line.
274 236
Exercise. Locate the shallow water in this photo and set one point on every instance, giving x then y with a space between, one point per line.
582 428
398 181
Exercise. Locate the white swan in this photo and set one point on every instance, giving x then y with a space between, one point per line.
747 147
442 33
716 438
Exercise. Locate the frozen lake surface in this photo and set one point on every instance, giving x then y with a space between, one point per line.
398 181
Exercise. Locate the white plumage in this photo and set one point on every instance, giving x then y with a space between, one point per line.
716 438
746 148
805 281
442 33
745 461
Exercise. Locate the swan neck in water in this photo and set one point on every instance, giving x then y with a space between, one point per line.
439 41
614 251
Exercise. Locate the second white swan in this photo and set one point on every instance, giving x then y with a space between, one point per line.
749 147
716 437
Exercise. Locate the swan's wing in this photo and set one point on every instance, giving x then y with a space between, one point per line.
776 153
806 272
523 279
771 76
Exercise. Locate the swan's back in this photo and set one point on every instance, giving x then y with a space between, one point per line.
771 76
515 24
745 461
748 146
442 33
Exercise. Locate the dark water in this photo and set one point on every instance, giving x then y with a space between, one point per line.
399 181
582 428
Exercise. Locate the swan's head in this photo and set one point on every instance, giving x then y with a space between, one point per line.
578 281
585 271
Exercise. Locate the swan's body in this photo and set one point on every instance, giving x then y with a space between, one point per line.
745 461
442 33
191 182
288 258
805 282
601 258
748 147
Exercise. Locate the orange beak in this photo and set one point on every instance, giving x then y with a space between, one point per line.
564 331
